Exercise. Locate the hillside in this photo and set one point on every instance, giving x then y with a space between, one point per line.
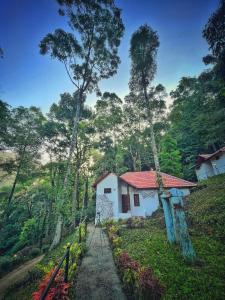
205 280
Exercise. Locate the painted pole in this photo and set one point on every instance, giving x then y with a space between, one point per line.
165 198
181 224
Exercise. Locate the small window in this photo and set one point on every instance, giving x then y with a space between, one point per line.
107 191
136 200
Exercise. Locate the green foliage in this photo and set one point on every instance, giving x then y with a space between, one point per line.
29 231
214 33
169 156
209 215
197 119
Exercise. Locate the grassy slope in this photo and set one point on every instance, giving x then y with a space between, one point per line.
206 216
25 291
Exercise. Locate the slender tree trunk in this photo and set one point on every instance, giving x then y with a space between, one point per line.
58 232
156 159
85 202
73 139
14 184
153 145
58 229
75 200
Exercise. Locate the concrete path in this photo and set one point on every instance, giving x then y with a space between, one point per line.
97 278
17 275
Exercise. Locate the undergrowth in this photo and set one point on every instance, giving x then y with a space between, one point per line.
206 218
30 284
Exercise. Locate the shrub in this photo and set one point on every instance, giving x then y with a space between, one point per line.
5 263
45 248
25 252
149 286
116 242
59 289
135 222
29 231
35 252
18 246
125 262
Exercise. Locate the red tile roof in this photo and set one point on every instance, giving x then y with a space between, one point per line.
147 179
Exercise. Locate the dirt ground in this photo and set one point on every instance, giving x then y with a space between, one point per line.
97 277
17 275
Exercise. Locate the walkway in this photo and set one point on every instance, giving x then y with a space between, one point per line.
97 278
17 275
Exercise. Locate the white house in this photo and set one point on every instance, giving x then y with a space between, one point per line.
209 165
132 193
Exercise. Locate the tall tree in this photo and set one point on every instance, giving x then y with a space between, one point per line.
88 57
24 139
143 49
214 33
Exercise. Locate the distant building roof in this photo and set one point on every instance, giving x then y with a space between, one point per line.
204 157
148 180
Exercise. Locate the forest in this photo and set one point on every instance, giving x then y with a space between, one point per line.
49 161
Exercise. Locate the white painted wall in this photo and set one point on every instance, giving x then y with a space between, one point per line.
147 205
205 171
149 201
211 168
111 181
219 164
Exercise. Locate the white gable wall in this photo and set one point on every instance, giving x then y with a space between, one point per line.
219 164
205 171
111 181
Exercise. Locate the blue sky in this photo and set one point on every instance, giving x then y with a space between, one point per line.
28 78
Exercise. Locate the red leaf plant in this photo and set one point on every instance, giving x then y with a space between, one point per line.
149 286
58 291
125 262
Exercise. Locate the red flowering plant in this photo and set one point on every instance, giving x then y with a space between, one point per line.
149 286
58 291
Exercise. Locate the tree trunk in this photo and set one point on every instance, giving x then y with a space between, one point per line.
156 160
58 230
14 184
85 202
73 139
153 145
75 203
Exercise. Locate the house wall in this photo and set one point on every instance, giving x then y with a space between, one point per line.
219 164
148 199
111 181
205 171
110 205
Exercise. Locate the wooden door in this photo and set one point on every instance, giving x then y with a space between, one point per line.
125 203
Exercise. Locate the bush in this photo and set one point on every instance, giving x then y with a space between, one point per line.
135 222
5 263
18 246
59 289
34 252
29 231
149 286
45 248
